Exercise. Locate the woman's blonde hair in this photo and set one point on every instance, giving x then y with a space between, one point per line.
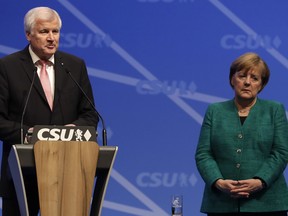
247 62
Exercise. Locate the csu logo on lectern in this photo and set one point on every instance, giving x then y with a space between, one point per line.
63 134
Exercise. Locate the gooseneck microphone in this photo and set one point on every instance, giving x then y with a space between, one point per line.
104 133
25 105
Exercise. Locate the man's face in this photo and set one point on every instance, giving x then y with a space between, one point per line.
44 38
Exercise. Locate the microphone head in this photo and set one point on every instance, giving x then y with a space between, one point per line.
66 70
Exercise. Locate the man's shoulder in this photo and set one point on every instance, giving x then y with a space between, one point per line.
65 55
16 55
15 58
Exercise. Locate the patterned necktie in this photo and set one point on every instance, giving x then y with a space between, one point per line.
44 78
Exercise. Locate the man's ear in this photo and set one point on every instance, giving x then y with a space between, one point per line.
28 35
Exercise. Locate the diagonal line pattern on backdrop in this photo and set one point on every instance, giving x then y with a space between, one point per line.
196 96
139 195
7 50
249 31
132 61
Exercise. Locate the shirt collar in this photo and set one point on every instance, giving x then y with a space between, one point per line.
35 58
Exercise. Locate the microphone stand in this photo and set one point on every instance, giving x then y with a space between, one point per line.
25 106
104 132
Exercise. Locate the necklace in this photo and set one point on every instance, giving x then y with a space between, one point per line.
245 110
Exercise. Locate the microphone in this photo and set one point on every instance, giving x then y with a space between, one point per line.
25 106
104 133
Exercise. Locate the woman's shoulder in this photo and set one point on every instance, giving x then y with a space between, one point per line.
269 103
229 104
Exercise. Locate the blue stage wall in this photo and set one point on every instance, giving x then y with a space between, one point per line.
155 66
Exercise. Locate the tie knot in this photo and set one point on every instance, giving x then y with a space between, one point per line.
41 62
44 62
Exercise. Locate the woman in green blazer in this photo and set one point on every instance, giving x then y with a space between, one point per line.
243 148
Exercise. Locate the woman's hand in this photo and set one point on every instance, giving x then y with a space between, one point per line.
230 187
239 189
248 186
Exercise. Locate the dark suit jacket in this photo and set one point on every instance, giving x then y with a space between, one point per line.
258 148
70 106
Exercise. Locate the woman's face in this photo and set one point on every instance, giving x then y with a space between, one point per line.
247 84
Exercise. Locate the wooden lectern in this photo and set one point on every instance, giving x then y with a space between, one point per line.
58 187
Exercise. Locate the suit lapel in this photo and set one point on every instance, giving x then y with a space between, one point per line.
29 69
60 77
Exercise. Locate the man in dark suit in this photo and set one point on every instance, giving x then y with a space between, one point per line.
69 106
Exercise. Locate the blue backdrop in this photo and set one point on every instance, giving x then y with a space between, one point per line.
155 66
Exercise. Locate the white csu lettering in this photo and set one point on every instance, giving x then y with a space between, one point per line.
55 134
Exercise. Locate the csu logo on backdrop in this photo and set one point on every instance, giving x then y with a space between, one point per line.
84 40
63 133
250 41
159 179
154 87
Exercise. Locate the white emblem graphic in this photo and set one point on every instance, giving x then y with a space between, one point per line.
79 135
